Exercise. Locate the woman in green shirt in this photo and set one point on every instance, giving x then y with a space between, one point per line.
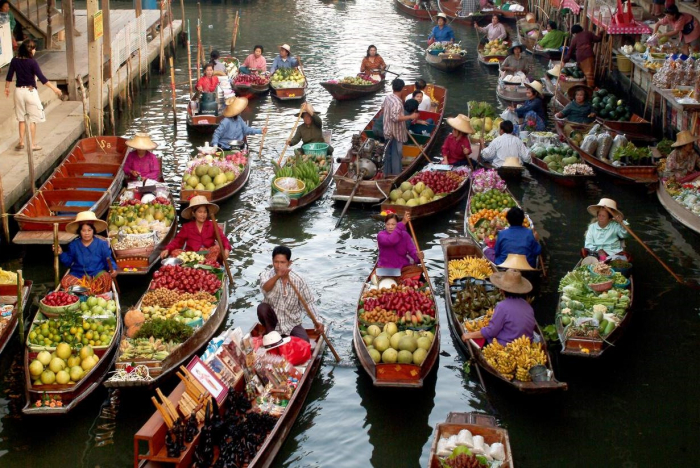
579 109
5 8
554 38
604 235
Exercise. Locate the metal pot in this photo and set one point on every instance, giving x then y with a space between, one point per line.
366 168
237 144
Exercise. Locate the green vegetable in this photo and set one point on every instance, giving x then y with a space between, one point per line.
609 328
166 330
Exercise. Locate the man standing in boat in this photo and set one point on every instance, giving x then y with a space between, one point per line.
282 309
394 128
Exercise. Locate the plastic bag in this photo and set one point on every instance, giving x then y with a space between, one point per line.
604 143
594 130
618 141
297 351
510 115
280 199
590 144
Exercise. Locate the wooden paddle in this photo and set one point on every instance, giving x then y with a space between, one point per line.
315 321
20 301
691 283
262 140
221 246
420 148
114 280
55 254
291 134
352 194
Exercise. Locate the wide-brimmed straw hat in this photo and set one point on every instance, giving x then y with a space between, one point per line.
530 17
441 15
555 71
684 138
461 123
235 106
605 202
196 202
86 217
516 44
512 161
536 86
273 340
286 47
572 92
309 109
516 262
511 281
142 141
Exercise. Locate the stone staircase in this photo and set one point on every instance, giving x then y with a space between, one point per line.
34 15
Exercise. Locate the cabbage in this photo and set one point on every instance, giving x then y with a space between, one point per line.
572 290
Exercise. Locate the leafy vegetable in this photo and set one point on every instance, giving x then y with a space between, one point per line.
665 147
631 152
165 330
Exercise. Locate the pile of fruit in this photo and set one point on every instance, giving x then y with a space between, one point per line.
73 329
98 307
191 257
7 277
62 367
486 223
186 279
609 107
252 79
427 186
133 243
399 300
479 323
309 169
391 346
653 65
359 80
134 217
559 157
288 78
451 48
515 359
468 267
483 180
207 173
496 47
145 348
492 199
475 300
59 299
688 195
572 73
481 109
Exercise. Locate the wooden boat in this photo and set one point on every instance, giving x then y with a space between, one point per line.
574 346
636 174
486 59
88 179
377 189
251 91
478 424
8 296
678 211
159 370
395 375
446 62
453 10
346 91
306 200
70 394
506 172
221 194
408 7
566 180
289 94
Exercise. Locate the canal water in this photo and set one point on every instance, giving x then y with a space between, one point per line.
635 407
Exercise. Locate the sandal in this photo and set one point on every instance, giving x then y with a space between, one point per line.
19 147
37 148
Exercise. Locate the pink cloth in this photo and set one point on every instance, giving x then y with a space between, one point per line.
680 23
258 63
147 166
453 148
395 248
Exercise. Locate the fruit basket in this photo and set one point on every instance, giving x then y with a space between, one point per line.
55 311
315 149
287 184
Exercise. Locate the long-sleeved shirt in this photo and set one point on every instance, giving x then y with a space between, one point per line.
535 105
442 34
219 66
279 62
147 166
554 39
189 238
26 69
523 64
284 301
576 112
453 148
505 146
680 165
89 260
517 240
393 109
208 83
368 65
495 31
309 133
512 318
582 46
232 128
258 63
396 248
608 238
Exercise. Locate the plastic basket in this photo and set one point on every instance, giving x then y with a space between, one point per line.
624 64
283 184
315 149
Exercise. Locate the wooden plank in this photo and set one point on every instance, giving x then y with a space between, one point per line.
42 237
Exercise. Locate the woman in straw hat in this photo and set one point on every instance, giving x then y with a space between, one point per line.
442 32
142 163
513 317
683 160
198 235
517 61
456 149
89 258
396 248
604 235
516 239
284 59
534 110
311 131
232 127
579 109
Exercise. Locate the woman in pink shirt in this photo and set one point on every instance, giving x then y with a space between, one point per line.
456 149
396 248
682 24
255 62
141 163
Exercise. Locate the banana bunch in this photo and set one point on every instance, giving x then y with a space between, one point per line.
285 171
478 324
7 277
468 267
308 173
516 359
144 349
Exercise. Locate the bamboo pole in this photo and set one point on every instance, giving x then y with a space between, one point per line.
235 32
189 59
200 49
172 88
262 140
3 213
30 152
111 107
20 301
160 33
182 12
199 46
172 33
55 255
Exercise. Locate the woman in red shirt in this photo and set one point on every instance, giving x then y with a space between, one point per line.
199 234
209 82
456 149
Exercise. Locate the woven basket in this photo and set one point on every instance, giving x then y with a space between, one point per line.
601 287
279 186
132 253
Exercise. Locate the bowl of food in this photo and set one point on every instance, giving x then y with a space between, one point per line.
601 287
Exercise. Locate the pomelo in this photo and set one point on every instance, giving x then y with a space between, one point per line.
419 356
406 186
405 357
48 377
390 356
368 339
201 170
57 364
220 179
211 187
408 343
36 368
199 187
376 355
76 373
395 194
63 350
381 343
423 342
374 330
85 352
205 179
390 328
44 357
395 339
62 377
230 175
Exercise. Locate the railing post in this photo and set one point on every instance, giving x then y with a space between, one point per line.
49 31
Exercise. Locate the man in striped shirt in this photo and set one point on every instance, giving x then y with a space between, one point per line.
394 127
506 145
281 309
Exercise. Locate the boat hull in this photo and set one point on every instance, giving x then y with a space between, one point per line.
347 92
219 195
420 13
678 211
11 327
540 166
446 62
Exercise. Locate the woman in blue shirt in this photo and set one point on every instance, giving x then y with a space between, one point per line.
517 239
442 32
533 110
89 258
233 127
284 60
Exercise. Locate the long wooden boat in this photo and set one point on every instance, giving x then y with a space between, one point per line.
290 94
153 432
478 424
509 173
251 91
70 394
377 189
409 7
346 91
446 62
395 375
486 59
88 179
678 211
221 194
159 370
566 180
10 298
636 174
594 347
453 10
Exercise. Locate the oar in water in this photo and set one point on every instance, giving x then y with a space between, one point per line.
360 177
314 320
689 283
221 246
262 140
291 134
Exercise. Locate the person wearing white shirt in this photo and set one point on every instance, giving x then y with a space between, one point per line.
424 104
506 145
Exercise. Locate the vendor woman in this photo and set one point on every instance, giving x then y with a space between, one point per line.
396 248
255 62
142 163
683 163
208 82
198 235
579 109
373 63
554 38
517 61
311 131
284 60
493 31
683 25
233 127
88 257
604 235
533 110
513 317
442 32
457 148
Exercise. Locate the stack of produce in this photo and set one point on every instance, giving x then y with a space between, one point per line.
211 173
561 159
601 144
515 359
64 366
72 328
468 267
467 450
493 199
496 47
252 79
7 277
309 169
569 73
475 300
139 215
414 303
688 195
359 80
489 214
427 186
591 314
389 345
479 323
609 107
287 78
483 180
451 48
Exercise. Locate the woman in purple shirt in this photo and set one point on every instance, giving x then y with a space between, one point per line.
396 248
27 100
513 317
141 163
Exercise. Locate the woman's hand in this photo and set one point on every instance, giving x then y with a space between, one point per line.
226 254
199 88
444 160
466 151
420 255
618 218
407 217
59 251
559 115
113 273
264 130
164 253
591 115
134 173
7 92
58 92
